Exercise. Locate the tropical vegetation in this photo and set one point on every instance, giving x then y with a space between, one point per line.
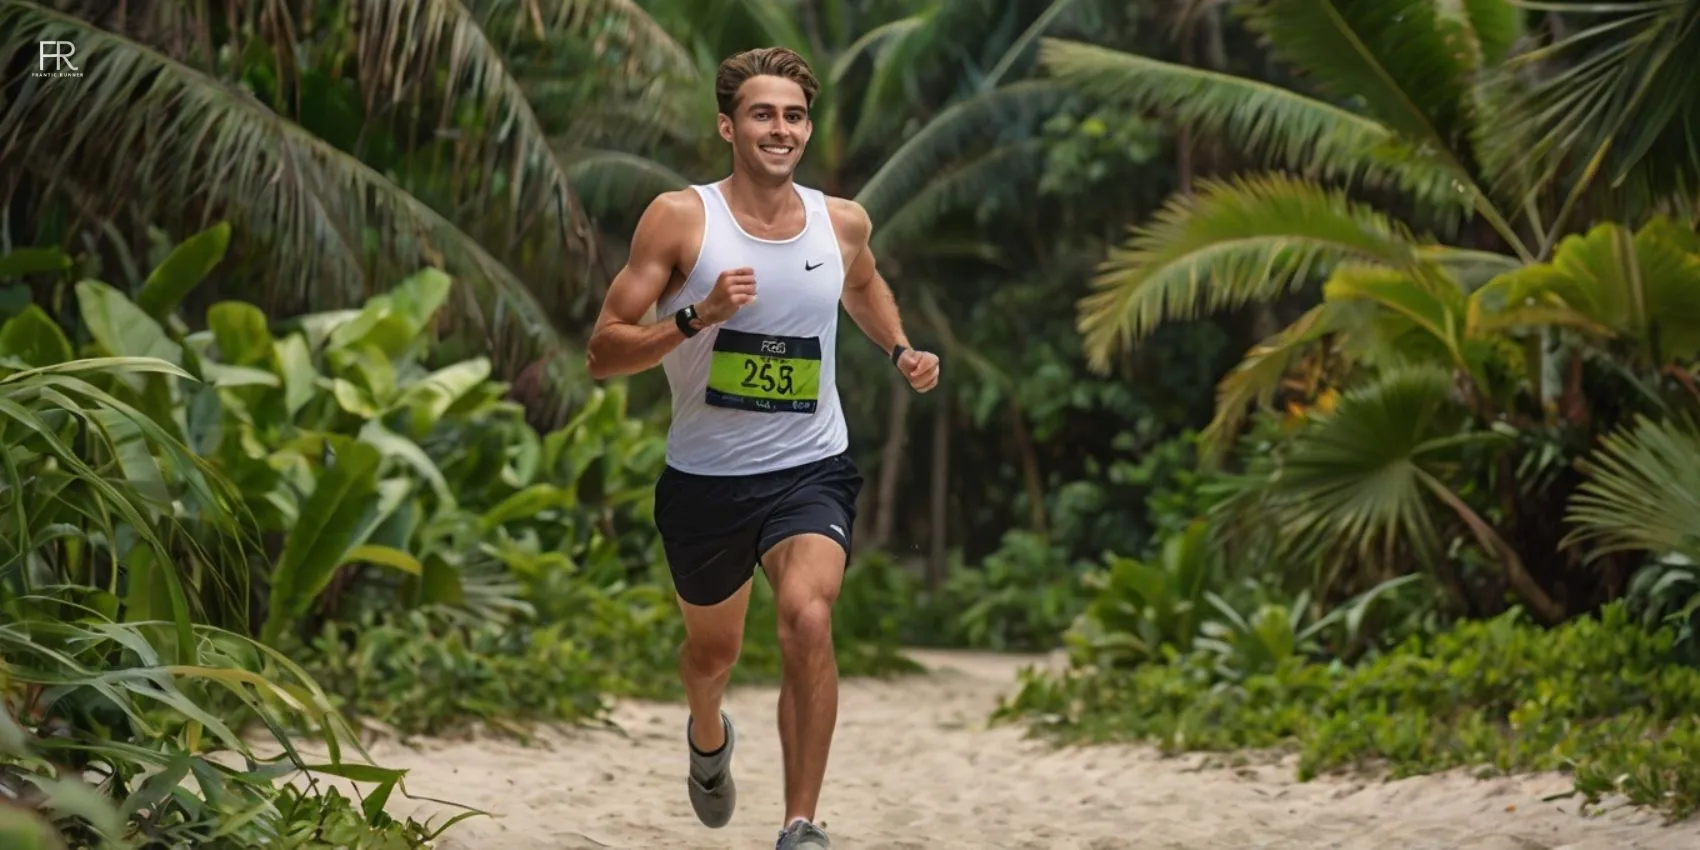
1320 375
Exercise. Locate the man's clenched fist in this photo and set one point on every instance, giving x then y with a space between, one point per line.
920 367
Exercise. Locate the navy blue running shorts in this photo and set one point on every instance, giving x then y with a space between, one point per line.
716 528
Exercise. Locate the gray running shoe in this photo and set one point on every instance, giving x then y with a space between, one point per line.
802 835
713 794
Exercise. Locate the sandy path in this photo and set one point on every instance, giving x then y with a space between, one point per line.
913 766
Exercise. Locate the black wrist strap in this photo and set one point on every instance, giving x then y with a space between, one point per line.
683 318
897 352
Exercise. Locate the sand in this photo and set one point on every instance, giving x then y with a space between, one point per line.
914 766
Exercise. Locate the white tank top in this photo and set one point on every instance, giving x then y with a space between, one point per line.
758 392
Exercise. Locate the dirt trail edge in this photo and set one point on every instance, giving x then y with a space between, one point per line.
914 766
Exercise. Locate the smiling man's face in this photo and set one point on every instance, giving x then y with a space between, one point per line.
769 128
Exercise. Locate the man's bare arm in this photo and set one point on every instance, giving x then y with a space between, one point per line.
620 344
867 297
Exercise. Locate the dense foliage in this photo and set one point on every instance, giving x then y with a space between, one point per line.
1597 697
1448 510
298 444
306 526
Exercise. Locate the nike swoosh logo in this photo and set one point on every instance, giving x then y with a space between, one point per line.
809 268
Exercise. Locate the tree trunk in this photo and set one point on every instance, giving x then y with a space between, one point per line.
1542 605
891 462
937 562
1030 470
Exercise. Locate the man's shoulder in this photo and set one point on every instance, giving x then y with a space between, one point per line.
676 206
849 217
671 219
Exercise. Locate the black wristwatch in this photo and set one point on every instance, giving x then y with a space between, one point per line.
896 352
683 319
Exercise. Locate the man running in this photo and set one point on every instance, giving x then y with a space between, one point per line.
746 276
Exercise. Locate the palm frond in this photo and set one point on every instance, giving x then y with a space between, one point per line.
1231 243
663 112
1620 106
1439 311
1643 286
150 127
1493 28
1353 478
911 59
1642 492
1399 59
995 115
874 41
614 181
648 45
1257 378
1006 169
1034 32
1302 133
1391 55
402 41
716 28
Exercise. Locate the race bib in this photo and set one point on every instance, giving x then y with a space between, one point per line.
764 373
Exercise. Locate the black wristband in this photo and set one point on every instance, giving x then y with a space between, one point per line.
897 352
683 319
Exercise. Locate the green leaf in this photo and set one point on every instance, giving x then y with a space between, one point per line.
1496 25
1299 132
1249 239
122 328
222 376
1641 286
241 330
1613 101
441 584
1642 492
385 556
433 395
1352 479
1258 376
397 446
530 502
947 136
1394 55
34 338
28 261
300 376
324 533
182 270
393 321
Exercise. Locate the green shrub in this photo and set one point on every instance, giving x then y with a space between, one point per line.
1597 696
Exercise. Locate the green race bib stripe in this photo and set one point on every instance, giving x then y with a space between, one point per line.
764 373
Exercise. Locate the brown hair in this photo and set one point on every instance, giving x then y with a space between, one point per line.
761 61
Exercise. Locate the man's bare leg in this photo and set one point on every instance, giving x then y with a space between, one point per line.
807 572
714 635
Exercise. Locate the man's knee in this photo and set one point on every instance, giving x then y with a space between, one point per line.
714 634
713 653
805 620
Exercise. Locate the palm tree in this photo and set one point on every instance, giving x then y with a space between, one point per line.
348 142
1428 114
1417 99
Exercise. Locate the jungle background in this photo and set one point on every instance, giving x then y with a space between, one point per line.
1317 374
